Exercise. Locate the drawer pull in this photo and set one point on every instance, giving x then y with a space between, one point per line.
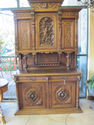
64 80
31 79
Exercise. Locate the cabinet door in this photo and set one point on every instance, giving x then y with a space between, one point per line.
24 35
68 34
33 95
62 95
46 28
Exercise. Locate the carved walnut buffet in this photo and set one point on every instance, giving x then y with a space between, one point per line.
46 49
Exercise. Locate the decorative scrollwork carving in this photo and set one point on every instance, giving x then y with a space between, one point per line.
45 5
46 27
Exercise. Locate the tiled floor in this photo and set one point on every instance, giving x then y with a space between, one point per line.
85 118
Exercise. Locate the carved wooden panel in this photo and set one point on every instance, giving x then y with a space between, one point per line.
45 6
47 59
46 26
45 1
24 35
34 95
46 29
68 33
62 94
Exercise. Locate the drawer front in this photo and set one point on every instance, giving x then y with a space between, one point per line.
62 94
64 78
32 79
33 95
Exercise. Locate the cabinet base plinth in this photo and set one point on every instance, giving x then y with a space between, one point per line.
47 111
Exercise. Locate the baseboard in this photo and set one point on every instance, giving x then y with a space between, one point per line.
47 111
90 97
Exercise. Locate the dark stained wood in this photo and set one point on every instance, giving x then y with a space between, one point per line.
47 46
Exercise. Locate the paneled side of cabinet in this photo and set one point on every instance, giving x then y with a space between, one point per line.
24 35
68 34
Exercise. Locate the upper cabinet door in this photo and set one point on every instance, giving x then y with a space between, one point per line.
24 35
46 28
68 34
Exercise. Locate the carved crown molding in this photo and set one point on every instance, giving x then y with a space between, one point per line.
45 5
45 1
42 4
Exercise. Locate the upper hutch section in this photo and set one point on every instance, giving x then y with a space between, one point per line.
47 35
46 30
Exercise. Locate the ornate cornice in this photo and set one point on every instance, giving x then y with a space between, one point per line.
48 4
45 1
45 5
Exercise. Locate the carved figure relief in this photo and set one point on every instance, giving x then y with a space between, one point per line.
46 27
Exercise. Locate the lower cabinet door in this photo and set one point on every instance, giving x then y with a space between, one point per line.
62 95
33 95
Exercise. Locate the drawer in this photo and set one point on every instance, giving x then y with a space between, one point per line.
31 79
63 78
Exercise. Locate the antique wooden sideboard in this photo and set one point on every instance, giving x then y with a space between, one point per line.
46 49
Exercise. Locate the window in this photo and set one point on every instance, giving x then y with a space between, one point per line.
24 3
8 3
83 51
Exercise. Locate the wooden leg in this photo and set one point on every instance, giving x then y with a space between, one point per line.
2 119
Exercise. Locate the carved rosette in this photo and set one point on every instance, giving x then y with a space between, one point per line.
32 96
62 95
46 28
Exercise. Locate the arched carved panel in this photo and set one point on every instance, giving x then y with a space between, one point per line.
46 32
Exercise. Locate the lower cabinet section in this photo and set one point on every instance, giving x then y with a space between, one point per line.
48 94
